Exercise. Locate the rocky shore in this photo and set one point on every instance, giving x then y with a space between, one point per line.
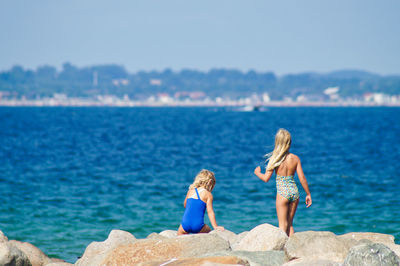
263 245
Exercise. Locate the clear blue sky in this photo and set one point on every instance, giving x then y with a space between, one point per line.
280 36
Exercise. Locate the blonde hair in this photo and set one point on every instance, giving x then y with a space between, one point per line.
204 179
281 149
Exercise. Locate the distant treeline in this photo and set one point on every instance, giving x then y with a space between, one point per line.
115 80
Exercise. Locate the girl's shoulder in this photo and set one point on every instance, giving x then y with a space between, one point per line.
293 156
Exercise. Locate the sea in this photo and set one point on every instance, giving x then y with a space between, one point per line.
68 176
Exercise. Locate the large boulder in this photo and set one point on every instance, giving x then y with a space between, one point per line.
149 250
169 233
256 258
374 237
372 254
11 255
34 254
318 245
96 251
155 236
227 235
262 238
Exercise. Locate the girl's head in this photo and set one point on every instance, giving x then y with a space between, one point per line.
282 146
204 179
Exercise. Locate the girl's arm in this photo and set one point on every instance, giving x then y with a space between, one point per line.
211 214
184 202
303 182
264 177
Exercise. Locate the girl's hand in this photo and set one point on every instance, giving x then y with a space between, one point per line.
308 201
219 228
257 171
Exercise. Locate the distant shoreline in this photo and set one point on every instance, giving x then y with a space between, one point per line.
89 103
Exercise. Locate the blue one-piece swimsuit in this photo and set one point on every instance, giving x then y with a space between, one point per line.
193 218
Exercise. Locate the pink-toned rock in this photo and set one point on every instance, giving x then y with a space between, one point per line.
308 262
214 261
58 262
96 251
169 233
374 237
262 238
34 254
318 246
149 250
155 236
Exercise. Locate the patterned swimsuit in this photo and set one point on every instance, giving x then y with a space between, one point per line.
286 187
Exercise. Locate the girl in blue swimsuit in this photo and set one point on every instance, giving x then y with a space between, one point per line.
198 199
285 164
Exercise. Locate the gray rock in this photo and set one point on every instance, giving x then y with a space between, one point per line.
169 233
395 248
238 239
262 238
227 235
256 258
374 237
34 254
318 246
10 255
373 254
3 238
96 251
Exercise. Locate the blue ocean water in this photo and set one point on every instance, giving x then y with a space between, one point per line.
68 176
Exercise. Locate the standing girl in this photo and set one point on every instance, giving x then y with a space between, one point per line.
198 199
285 164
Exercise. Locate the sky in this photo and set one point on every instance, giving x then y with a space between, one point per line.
285 36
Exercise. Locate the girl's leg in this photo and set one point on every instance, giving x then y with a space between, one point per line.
181 231
291 213
282 205
205 229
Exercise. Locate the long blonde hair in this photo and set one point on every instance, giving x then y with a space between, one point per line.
204 179
283 140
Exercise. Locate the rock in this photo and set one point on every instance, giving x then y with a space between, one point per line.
212 261
313 262
238 239
11 255
148 250
262 238
373 254
395 248
227 235
256 258
96 251
34 254
3 238
59 264
374 237
318 245
169 233
156 236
